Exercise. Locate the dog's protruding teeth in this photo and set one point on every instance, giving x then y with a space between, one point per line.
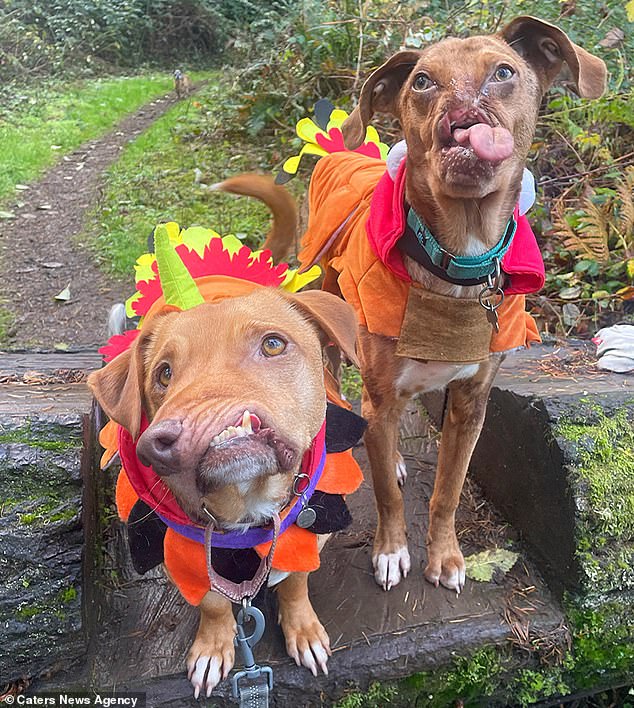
246 422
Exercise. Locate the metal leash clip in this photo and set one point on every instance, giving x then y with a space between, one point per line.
492 296
253 693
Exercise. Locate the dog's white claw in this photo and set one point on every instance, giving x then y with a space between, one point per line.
320 654
308 660
198 674
205 673
401 470
455 581
389 568
213 675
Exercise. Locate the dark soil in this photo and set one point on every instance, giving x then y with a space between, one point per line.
40 253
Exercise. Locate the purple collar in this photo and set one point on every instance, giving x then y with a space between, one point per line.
260 534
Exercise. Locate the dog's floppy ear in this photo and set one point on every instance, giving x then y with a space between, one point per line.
379 93
118 388
546 48
333 316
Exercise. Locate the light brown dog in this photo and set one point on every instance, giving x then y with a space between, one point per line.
194 374
468 110
182 84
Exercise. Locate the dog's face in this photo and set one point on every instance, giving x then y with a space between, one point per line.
468 107
234 393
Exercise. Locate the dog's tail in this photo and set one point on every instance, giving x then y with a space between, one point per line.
281 237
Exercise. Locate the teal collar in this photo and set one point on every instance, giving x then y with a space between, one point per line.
419 243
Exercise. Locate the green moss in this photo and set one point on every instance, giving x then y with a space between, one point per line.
67 594
598 435
56 606
470 679
605 446
42 514
603 645
25 436
532 686
602 655
473 680
28 611
378 694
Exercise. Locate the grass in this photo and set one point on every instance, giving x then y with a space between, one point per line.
164 176
39 125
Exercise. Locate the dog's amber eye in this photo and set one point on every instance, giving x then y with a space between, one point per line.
503 73
273 345
165 375
422 82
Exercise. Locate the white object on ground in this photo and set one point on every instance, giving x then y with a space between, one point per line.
615 348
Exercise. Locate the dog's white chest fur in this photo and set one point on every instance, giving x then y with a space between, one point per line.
418 377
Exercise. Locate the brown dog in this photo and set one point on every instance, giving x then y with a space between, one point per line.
468 109
182 84
194 374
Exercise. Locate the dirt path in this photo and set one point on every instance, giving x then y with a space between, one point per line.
40 254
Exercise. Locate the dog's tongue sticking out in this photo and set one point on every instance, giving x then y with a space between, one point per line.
488 143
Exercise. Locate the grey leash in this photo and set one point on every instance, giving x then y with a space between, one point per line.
253 685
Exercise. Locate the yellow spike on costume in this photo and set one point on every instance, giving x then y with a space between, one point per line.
307 130
337 118
291 165
312 149
129 302
295 281
231 244
196 238
371 136
143 267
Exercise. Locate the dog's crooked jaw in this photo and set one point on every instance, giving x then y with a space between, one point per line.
248 424
241 453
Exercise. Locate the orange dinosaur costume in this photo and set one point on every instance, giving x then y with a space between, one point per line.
158 529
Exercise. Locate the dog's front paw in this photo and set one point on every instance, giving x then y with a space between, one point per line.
445 565
210 660
306 639
390 568
390 556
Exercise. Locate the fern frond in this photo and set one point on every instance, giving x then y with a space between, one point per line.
590 239
594 229
625 189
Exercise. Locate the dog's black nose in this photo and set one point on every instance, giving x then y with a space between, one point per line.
157 446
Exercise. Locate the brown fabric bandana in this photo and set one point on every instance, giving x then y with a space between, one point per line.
441 328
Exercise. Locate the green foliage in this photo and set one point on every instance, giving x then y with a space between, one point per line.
470 679
378 694
603 642
606 454
164 176
325 49
589 236
40 38
351 384
38 126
